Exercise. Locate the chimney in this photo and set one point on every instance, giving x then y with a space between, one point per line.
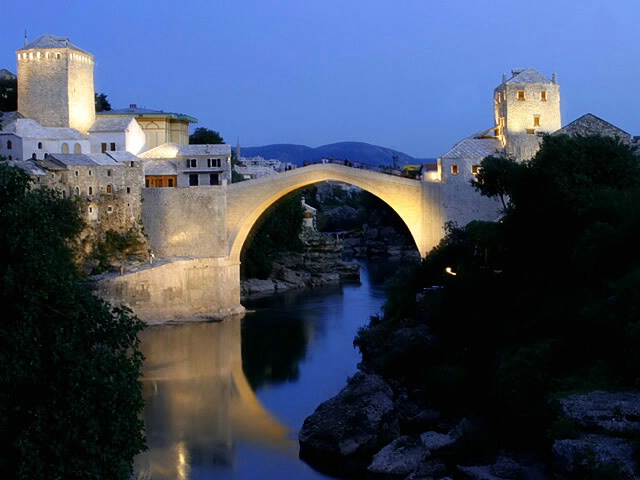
554 78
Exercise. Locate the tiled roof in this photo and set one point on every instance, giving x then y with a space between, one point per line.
28 166
52 41
116 124
475 148
173 150
589 124
189 150
135 111
527 75
160 167
28 128
166 150
123 156
7 75
89 159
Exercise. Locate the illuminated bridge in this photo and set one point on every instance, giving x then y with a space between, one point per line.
197 235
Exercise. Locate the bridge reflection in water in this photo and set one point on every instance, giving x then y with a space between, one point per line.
198 401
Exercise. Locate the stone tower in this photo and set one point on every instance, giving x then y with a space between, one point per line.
524 105
55 83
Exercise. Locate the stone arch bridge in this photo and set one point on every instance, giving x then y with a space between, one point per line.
197 234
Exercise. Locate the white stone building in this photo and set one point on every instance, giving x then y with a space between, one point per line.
117 134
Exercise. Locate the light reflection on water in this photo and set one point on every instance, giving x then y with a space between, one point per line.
226 400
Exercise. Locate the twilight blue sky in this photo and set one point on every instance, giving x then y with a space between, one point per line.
413 75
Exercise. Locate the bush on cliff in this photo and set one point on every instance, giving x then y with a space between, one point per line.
70 395
542 301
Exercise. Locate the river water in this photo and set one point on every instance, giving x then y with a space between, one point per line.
226 400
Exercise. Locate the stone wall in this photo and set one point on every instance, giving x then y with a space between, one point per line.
180 290
56 87
186 222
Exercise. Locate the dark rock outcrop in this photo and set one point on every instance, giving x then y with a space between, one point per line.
344 432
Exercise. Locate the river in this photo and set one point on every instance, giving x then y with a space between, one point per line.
226 400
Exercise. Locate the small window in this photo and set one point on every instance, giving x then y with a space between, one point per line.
454 169
39 145
90 209
531 131
90 190
132 164
536 120
475 169
65 148
192 163
109 188
129 188
170 182
58 56
33 156
103 147
193 180
108 173
520 94
77 190
77 148
76 173
89 172
543 95
109 209
9 145
112 146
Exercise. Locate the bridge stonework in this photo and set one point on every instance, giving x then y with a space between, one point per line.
197 234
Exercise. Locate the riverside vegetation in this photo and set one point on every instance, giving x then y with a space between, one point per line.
525 355
70 395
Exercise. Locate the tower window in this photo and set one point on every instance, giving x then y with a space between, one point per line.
454 169
39 145
520 94
543 95
108 173
76 173
536 120
129 189
109 209
109 188
58 56
90 190
531 131
77 190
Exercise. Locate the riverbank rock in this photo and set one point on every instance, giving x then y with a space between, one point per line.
401 457
602 427
344 432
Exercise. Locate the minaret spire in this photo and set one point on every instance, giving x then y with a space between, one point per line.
25 38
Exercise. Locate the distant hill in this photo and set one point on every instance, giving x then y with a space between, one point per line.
353 151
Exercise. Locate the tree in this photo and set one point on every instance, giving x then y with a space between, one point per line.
204 136
496 176
102 104
70 395
8 94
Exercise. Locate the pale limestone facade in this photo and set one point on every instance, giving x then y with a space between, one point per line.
526 104
55 83
159 127
117 134
26 139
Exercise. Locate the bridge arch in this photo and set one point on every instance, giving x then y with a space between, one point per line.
412 200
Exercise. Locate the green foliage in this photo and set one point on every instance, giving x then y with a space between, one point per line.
102 104
542 301
8 95
278 230
70 395
205 136
116 247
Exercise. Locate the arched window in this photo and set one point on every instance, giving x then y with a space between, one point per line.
90 190
109 188
9 144
33 156
77 148
77 190
65 148
39 145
